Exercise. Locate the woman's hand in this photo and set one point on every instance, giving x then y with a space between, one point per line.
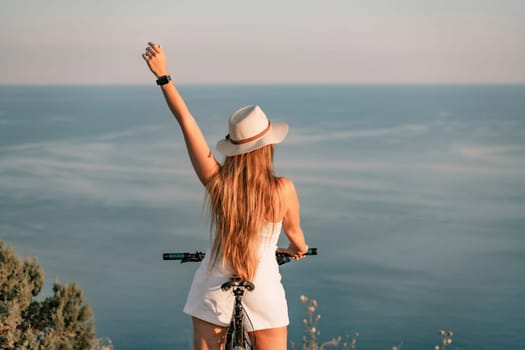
156 59
293 251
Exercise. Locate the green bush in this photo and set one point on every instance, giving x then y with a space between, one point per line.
62 321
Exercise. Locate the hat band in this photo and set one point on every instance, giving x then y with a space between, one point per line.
250 139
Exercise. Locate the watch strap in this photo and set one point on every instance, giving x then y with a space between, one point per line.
163 80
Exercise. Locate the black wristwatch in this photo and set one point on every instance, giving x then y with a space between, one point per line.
163 80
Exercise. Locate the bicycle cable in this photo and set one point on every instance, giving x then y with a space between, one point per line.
251 326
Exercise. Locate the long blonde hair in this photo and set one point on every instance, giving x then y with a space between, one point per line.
243 196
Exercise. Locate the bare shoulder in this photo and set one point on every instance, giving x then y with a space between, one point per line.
287 187
285 182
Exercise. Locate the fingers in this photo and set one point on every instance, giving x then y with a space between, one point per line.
151 51
298 257
295 255
155 48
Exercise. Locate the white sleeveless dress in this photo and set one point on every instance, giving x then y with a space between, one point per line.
265 306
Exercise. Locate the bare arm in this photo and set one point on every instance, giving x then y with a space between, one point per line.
202 159
291 221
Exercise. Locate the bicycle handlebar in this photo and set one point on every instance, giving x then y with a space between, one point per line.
282 258
184 257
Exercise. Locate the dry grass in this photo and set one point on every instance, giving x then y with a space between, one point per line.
311 340
312 333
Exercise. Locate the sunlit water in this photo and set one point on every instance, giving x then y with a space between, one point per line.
414 195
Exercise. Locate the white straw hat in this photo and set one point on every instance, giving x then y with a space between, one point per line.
250 129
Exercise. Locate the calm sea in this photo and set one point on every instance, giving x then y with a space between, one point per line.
414 195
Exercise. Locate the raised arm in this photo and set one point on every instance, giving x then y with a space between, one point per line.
202 159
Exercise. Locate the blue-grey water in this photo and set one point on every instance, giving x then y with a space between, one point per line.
414 195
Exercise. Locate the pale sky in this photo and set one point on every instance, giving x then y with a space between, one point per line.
270 41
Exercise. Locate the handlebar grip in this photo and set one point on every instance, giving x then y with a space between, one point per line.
311 251
283 258
184 257
174 256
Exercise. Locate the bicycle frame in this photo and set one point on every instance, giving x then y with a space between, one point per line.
237 337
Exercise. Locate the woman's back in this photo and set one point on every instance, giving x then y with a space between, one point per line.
243 196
